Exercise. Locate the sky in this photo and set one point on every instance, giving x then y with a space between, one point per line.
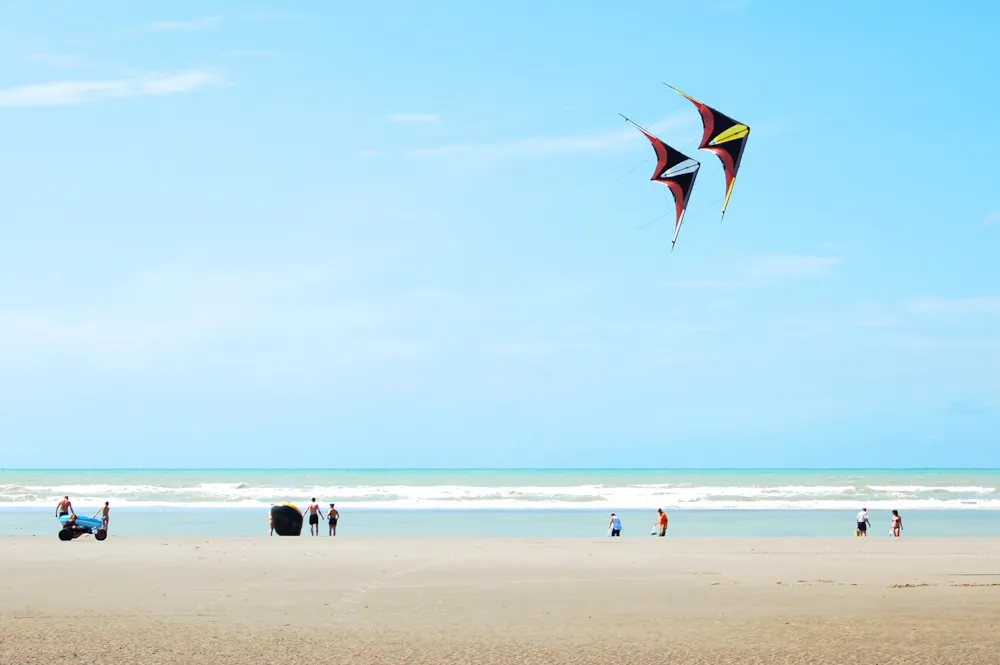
394 234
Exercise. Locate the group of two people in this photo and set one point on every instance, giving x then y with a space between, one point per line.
332 516
659 527
65 507
863 523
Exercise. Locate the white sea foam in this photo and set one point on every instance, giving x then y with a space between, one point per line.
220 495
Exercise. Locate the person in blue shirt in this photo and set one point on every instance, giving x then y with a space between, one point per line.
615 525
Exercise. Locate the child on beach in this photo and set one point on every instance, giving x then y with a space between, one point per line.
105 515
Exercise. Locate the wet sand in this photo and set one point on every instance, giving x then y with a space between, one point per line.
393 600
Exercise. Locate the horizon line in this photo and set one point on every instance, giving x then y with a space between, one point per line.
508 469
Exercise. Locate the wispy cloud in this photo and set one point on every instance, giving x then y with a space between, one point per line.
792 266
59 60
66 93
177 311
189 25
414 118
956 306
547 145
992 219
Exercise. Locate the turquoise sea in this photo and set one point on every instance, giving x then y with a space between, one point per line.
534 503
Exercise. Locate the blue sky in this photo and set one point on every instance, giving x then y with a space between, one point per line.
386 234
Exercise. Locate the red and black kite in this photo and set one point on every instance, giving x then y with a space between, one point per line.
675 170
725 137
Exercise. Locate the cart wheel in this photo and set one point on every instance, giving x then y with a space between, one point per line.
65 534
100 534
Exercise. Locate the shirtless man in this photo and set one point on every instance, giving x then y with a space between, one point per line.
64 507
333 516
313 518
105 515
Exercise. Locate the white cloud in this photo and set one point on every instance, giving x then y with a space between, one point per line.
547 145
190 25
301 316
66 93
414 118
791 266
956 306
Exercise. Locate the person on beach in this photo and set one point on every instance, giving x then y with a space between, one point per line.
897 523
105 515
314 518
332 518
270 524
71 522
863 523
661 522
616 526
64 507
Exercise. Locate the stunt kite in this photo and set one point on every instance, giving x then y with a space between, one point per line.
675 170
725 137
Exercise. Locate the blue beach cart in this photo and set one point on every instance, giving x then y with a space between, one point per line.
81 526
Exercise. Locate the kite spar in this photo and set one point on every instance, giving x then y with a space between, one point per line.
725 137
675 170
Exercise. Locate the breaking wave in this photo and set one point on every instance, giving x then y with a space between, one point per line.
218 495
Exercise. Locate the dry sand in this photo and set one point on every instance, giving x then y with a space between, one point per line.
342 600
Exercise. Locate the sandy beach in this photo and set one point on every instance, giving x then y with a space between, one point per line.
391 600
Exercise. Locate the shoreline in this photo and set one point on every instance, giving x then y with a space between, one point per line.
127 522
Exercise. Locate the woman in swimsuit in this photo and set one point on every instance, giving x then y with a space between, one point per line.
333 516
897 523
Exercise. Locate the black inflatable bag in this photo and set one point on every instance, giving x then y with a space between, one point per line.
287 520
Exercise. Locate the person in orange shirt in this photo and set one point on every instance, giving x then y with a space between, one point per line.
661 522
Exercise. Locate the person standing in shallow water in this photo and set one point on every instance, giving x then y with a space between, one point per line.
897 524
863 523
661 522
105 514
313 518
64 507
332 517
616 526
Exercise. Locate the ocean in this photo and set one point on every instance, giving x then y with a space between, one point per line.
533 503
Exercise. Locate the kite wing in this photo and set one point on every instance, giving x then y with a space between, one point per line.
675 170
725 137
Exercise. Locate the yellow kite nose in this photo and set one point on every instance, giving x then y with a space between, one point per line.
733 133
